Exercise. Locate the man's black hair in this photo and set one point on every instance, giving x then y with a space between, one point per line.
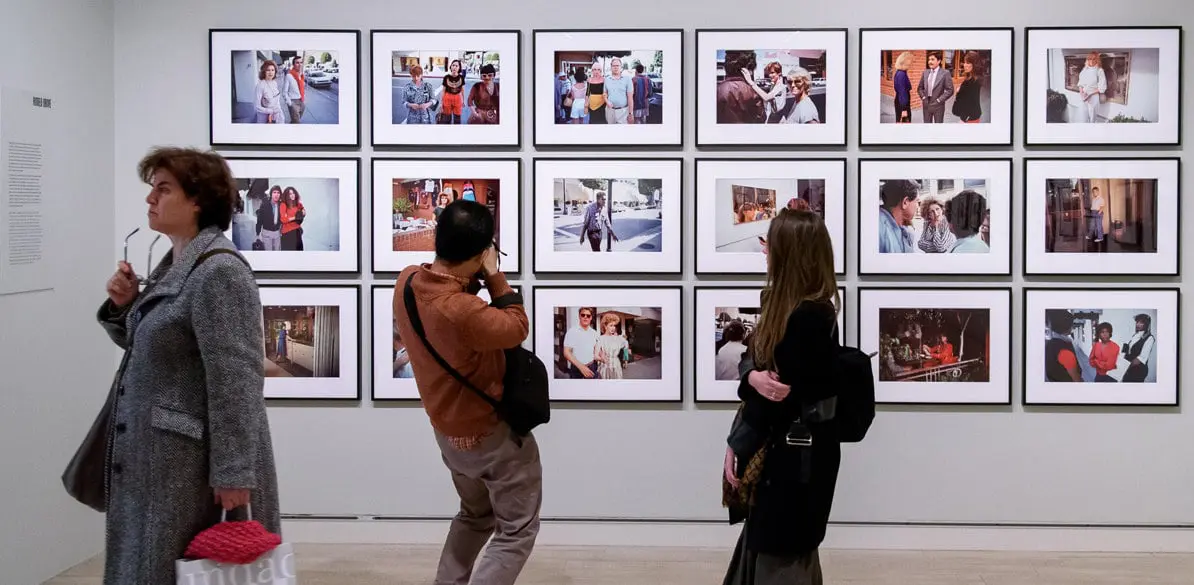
965 212
894 192
464 229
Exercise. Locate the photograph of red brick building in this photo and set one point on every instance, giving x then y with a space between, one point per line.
916 64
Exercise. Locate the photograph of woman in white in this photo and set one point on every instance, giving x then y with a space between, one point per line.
785 502
189 437
268 95
611 348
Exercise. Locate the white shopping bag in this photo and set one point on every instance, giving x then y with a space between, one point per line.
272 568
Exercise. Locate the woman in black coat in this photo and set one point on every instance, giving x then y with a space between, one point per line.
968 103
792 351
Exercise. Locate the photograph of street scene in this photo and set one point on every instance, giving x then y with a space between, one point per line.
417 204
608 87
1097 86
731 337
931 86
302 341
934 216
745 208
1106 216
287 214
610 215
285 87
445 87
608 343
1100 345
934 345
771 86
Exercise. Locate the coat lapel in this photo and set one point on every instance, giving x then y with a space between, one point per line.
171 275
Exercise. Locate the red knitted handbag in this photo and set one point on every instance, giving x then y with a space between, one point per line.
237 542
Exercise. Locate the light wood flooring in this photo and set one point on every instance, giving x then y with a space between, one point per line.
415 565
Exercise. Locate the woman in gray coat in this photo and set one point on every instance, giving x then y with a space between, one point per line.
189 434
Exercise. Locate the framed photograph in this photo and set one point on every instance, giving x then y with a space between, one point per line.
393 376
409 193
608 215
612 343
312 342
298 214
758 87
1121 346
935 86
739 197
942 216
1080 80
1101 216
590 83
726 318
284 87
938 345
446 88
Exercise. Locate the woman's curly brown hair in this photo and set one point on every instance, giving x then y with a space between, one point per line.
204 177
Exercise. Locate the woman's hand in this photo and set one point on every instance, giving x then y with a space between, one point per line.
123 287
768 386
231 498
730 465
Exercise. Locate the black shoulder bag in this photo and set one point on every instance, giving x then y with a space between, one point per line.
525 403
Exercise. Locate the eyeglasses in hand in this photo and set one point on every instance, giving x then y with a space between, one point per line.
148 261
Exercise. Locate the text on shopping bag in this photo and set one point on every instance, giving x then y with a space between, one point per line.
273 568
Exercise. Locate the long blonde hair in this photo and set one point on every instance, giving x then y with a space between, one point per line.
799 269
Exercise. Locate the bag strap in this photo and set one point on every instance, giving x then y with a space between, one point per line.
413 312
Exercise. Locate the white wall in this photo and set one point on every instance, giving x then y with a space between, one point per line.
928 465
55 362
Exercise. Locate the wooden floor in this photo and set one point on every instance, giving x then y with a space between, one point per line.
407 565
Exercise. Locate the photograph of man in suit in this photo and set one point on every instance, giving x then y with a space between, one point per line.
935 88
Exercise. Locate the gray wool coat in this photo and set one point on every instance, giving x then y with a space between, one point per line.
189 411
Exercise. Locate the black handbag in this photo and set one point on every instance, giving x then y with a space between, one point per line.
525 402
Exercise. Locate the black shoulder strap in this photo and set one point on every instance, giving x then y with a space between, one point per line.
413 312
210 253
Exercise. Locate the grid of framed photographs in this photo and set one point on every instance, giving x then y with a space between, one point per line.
947 215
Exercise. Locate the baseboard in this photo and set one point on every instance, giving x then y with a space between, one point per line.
721 536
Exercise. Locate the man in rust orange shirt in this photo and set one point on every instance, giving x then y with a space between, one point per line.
497 474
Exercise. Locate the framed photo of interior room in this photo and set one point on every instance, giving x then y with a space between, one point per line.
946 345
284 88
312 341
446 88
298 214
738 198
771 87
939 216
410 193
921 86
1102 346
605 88
1102 216
1112 85
726 317
608 215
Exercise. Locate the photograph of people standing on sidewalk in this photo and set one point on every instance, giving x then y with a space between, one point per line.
626 347
791 92
409 195
1107 85
1101 216
606 79
936 86
1117 344
620 215
739 198
297 215
284 88
948 216
726 321
311 341
938 345
445 88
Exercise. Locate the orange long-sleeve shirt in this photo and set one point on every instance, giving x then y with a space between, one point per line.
1103 356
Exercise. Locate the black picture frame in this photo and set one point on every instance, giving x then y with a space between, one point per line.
472 145
672 376
536 104
353 91
1029 142
1176 354
744 144
1175 217
679 220
350 367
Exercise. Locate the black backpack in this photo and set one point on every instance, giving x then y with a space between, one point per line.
855 408
525 400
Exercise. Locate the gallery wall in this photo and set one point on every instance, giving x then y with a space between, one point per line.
921 464
55 361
